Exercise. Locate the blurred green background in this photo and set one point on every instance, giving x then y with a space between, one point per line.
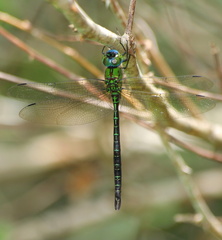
57 182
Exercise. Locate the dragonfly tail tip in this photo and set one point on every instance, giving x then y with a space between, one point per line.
117 203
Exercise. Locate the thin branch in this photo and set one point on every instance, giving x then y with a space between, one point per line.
215 52
72 53
117 9
141 55
129 26
34 54
84 24
202 152
211 155
208 219
182 88
13 79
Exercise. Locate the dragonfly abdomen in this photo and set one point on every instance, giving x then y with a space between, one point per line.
117 154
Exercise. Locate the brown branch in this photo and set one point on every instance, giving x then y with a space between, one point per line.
34 54
72 53
199 151
185 89
130 20
117 9
13 79
185 174
215 52
84 24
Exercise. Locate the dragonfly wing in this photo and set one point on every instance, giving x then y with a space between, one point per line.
190 104
64 111
149 106
65 103
195 82
141 105
48 91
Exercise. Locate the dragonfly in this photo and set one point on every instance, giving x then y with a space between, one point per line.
87 100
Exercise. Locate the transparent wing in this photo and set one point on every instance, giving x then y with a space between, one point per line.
84 101
148 105
62 111
65 103
195 82
80 90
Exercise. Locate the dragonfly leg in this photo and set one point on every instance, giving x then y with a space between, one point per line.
125 53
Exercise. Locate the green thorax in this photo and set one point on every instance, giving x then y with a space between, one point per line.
113 81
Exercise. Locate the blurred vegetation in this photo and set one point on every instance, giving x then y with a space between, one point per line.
57 182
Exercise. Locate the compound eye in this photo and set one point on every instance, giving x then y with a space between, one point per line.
111 55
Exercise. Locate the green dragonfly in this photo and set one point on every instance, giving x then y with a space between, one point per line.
87 100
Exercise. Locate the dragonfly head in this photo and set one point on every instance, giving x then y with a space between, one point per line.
112 58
